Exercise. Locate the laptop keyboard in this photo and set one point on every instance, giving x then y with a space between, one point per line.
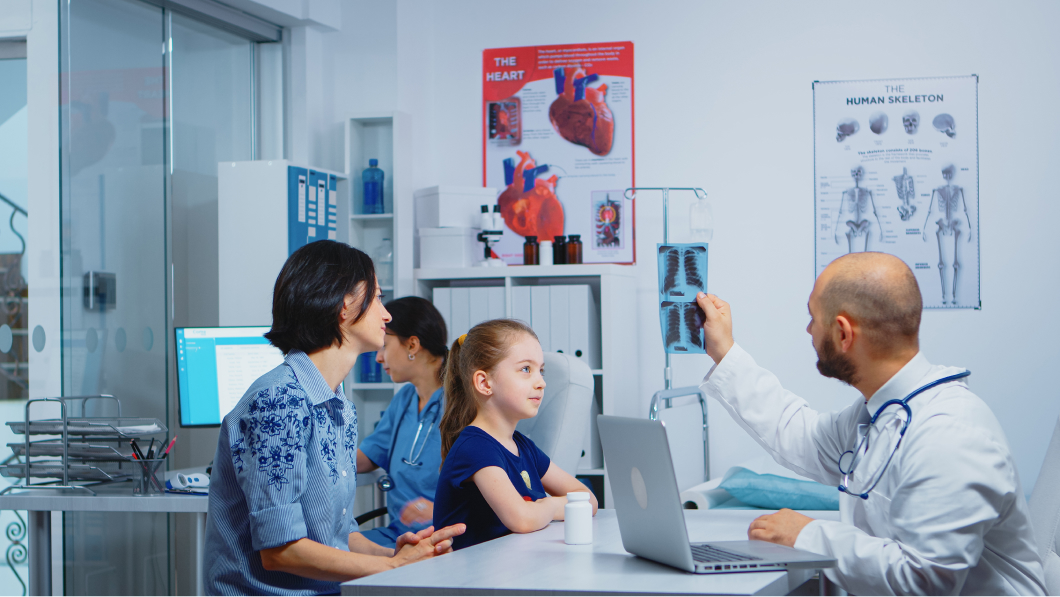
708 553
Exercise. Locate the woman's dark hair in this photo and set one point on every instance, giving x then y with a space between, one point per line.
484 346
310 290
416 316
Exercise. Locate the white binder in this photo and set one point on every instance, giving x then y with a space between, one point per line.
540 302
521 304
478 306
559 318
496 302
461 313
584 321
442 300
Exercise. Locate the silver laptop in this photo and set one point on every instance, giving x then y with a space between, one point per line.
650 516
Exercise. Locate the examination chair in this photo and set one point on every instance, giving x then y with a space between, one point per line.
563 419
1045 513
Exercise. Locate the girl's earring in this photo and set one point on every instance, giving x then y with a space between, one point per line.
412 357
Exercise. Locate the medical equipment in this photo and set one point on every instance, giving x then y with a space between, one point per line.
848 461
386 482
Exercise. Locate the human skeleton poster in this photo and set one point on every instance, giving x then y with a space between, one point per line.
558 145
896 170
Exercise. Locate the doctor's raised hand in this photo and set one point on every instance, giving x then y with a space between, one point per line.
717 325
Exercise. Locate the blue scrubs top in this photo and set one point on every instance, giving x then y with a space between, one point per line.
459 499
410 482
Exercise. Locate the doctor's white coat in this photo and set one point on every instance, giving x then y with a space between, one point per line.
949 515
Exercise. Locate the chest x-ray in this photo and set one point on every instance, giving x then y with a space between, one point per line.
682 275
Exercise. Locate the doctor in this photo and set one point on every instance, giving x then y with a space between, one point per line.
406 442
938 510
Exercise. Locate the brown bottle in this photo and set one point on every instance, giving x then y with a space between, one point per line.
574 248
531 251
559 250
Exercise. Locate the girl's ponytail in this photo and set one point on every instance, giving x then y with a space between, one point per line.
460 407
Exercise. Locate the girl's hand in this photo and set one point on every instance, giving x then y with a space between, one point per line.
419 510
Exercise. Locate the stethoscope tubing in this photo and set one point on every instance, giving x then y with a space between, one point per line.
856 453
386 482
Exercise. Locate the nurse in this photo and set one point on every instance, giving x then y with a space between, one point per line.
407 443
281 518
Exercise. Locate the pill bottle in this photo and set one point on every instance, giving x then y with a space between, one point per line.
559 250
578 519
530 251
574 248
545 253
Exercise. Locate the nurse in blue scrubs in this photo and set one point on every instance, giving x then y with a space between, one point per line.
406 443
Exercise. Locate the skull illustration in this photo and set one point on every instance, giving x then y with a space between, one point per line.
911 122
857 173
846 128
944 123
878 123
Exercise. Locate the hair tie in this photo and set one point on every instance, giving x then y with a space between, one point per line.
461 339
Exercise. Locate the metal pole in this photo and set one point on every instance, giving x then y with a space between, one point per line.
40 552
668 381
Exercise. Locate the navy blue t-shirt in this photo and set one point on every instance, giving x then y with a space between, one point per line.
458 498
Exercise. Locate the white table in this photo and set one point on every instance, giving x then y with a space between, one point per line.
110 498
542 563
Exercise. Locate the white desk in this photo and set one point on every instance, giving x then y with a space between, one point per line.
542 563
110 498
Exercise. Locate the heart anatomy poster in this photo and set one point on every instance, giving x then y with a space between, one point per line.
896 170
558 145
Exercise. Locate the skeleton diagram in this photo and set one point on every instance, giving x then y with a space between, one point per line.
906 192
857 203
911 122
948 208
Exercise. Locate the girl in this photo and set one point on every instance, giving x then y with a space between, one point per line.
406 442
494 479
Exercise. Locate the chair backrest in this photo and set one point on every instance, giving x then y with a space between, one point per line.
1045 513
562 421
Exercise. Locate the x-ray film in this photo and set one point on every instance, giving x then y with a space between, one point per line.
682 275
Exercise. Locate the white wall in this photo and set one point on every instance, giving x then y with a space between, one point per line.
724 101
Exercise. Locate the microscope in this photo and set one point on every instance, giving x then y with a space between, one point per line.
492 229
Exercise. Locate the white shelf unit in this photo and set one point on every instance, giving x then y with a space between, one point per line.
613 287
387 137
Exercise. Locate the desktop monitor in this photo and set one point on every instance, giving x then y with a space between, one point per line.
215 366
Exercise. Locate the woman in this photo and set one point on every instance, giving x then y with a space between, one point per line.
280 516
406 442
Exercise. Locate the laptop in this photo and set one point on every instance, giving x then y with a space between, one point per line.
650 517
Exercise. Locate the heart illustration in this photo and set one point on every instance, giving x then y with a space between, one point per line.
529 205
579 113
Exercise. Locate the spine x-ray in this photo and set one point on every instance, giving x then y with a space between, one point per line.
682 275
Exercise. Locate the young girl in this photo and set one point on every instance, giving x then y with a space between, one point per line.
494 479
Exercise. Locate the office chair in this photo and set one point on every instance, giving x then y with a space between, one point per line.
563 419
1045 513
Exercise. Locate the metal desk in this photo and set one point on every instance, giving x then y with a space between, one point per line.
113 498
540 563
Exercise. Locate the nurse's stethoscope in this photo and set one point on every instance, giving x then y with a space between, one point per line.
386 482
848 461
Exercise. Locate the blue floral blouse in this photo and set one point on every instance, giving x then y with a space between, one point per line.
285 469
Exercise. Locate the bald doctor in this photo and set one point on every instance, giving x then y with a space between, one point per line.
938 510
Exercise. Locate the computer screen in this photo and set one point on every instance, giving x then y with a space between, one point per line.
215 366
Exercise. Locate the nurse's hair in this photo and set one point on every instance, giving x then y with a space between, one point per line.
481 349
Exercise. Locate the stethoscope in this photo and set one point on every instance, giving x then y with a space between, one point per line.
848 461
386 482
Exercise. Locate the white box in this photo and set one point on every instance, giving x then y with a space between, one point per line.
559 319
461 311
497 306
584 321
443 298
521 304
478 306
451 207
540 304
450 247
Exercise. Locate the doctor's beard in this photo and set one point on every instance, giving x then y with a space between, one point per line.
832 363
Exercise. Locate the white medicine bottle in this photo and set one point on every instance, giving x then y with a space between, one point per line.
578 519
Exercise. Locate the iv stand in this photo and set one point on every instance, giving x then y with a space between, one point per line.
664 399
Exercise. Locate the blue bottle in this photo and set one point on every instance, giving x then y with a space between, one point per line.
373 188
371 371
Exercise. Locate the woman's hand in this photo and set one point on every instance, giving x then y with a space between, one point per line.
433 544
417 511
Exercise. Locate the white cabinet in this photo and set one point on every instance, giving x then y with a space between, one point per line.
600 320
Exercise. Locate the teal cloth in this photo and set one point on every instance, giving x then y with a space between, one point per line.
774 492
